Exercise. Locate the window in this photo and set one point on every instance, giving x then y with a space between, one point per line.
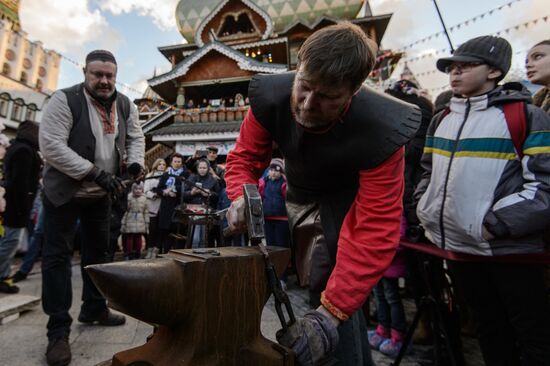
4 104
17 110
6 69
236 24
31 112
39 85
24 77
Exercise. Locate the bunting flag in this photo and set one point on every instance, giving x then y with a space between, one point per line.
516 27
464 23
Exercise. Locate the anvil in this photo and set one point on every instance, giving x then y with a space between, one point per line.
206 307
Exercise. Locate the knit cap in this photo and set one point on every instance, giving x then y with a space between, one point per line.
490 50
277 164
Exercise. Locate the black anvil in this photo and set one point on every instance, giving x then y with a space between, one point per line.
206 307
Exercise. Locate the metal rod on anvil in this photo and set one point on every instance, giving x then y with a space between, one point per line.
444 26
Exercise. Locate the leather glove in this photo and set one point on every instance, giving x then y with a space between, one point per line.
313 338
135 171
109 182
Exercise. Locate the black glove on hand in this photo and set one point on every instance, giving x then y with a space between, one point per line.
312 338
109 182
135 170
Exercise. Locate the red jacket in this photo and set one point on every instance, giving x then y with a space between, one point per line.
370 232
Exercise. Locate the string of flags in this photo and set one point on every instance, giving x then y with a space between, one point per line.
464 23
514 28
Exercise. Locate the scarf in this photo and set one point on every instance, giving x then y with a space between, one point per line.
172 174
542 99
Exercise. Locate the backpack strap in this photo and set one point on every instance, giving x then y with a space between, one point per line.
514 113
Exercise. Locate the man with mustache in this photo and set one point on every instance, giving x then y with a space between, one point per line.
89 132
342 145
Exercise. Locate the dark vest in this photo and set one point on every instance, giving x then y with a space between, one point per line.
323 169
59 187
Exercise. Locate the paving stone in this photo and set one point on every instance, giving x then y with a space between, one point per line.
14 304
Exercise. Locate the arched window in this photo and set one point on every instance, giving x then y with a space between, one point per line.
6 69
17 110
4 104
236 24
24 77
31 112
39 85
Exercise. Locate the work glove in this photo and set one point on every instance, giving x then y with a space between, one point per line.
112 184
313 338
135 171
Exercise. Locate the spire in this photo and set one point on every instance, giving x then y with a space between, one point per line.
367 12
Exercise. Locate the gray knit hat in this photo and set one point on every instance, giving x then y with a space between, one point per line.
493 51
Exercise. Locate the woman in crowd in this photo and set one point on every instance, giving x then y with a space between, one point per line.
538 72
204 189
153 202
169 190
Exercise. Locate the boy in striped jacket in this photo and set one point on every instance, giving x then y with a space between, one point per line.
486 191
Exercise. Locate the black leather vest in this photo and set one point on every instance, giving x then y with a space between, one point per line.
324 168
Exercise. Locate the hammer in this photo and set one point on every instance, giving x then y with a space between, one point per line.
254 215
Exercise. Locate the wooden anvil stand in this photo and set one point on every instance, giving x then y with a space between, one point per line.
206 308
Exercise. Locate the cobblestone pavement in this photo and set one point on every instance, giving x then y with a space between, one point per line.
23 341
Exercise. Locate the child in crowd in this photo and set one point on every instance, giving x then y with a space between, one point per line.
135 222
272 188
390 332
486 192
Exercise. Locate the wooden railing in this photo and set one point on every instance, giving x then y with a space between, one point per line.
210 114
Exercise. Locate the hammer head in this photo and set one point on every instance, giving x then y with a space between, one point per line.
254 212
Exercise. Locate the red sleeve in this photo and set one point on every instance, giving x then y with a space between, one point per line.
250 157
368 238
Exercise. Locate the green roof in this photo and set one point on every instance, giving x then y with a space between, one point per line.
189 13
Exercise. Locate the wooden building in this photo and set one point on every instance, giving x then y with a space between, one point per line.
204 95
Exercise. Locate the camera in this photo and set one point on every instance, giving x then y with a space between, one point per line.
201 153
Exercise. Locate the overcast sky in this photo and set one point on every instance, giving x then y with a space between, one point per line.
133 29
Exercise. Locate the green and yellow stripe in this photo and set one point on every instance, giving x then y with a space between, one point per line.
491 148
538 142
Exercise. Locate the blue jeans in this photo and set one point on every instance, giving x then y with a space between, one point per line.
198 236
8 246
60 226
35 244
353 348
391 314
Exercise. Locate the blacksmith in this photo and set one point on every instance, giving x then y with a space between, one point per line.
343 148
